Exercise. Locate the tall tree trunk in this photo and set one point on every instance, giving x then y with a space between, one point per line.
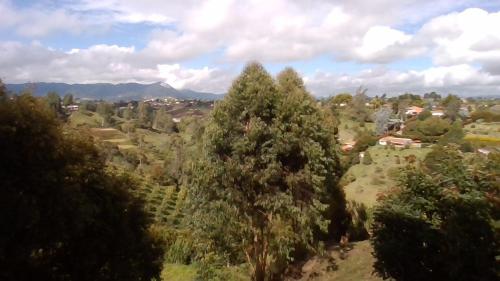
260 255
260 270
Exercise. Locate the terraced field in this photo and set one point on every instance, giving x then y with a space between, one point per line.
112 135
163 203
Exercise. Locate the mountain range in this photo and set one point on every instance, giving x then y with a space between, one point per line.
108 91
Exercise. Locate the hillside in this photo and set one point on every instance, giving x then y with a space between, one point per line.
107 91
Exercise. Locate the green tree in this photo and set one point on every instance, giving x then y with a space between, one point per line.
358 110
174 161
439 224
424 115
452 105
54 102
163 121
68 99
128 113
106 111
88 106
364 139
145 114
341 98
381 118
432 95
62 216
428 130
269 172
454 135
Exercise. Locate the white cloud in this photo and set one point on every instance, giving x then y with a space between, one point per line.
38 21
99 64
463 46
382 43
459 79
471 36
204 79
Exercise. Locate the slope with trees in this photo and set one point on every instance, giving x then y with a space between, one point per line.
63 217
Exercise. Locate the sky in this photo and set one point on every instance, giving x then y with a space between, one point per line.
386 46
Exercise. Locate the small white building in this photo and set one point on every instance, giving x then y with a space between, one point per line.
438 113
395 141
72 107
484 151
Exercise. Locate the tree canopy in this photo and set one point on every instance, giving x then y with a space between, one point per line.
268 178
62 217
439 224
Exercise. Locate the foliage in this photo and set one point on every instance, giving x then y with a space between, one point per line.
358 227
428 130
105 110
88 106
145 114
424 115
53 101
364 139
485 115
128 113
337 100
68 99
267 179
358 109
381 118
432 95
452 105
62 216
454 135
439 224
163 121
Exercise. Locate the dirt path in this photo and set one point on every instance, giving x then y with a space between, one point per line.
354 264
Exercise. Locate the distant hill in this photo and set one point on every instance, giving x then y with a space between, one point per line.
107 91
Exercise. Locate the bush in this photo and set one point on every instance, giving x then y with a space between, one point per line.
394 173
364 140
486 116
358 221
432 229
180 251
466 147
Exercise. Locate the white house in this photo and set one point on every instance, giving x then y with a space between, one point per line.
395 141
438 113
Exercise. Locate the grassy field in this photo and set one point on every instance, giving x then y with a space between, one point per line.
91 119
178 272
372 179
355 263
348 127
112 136
483 134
